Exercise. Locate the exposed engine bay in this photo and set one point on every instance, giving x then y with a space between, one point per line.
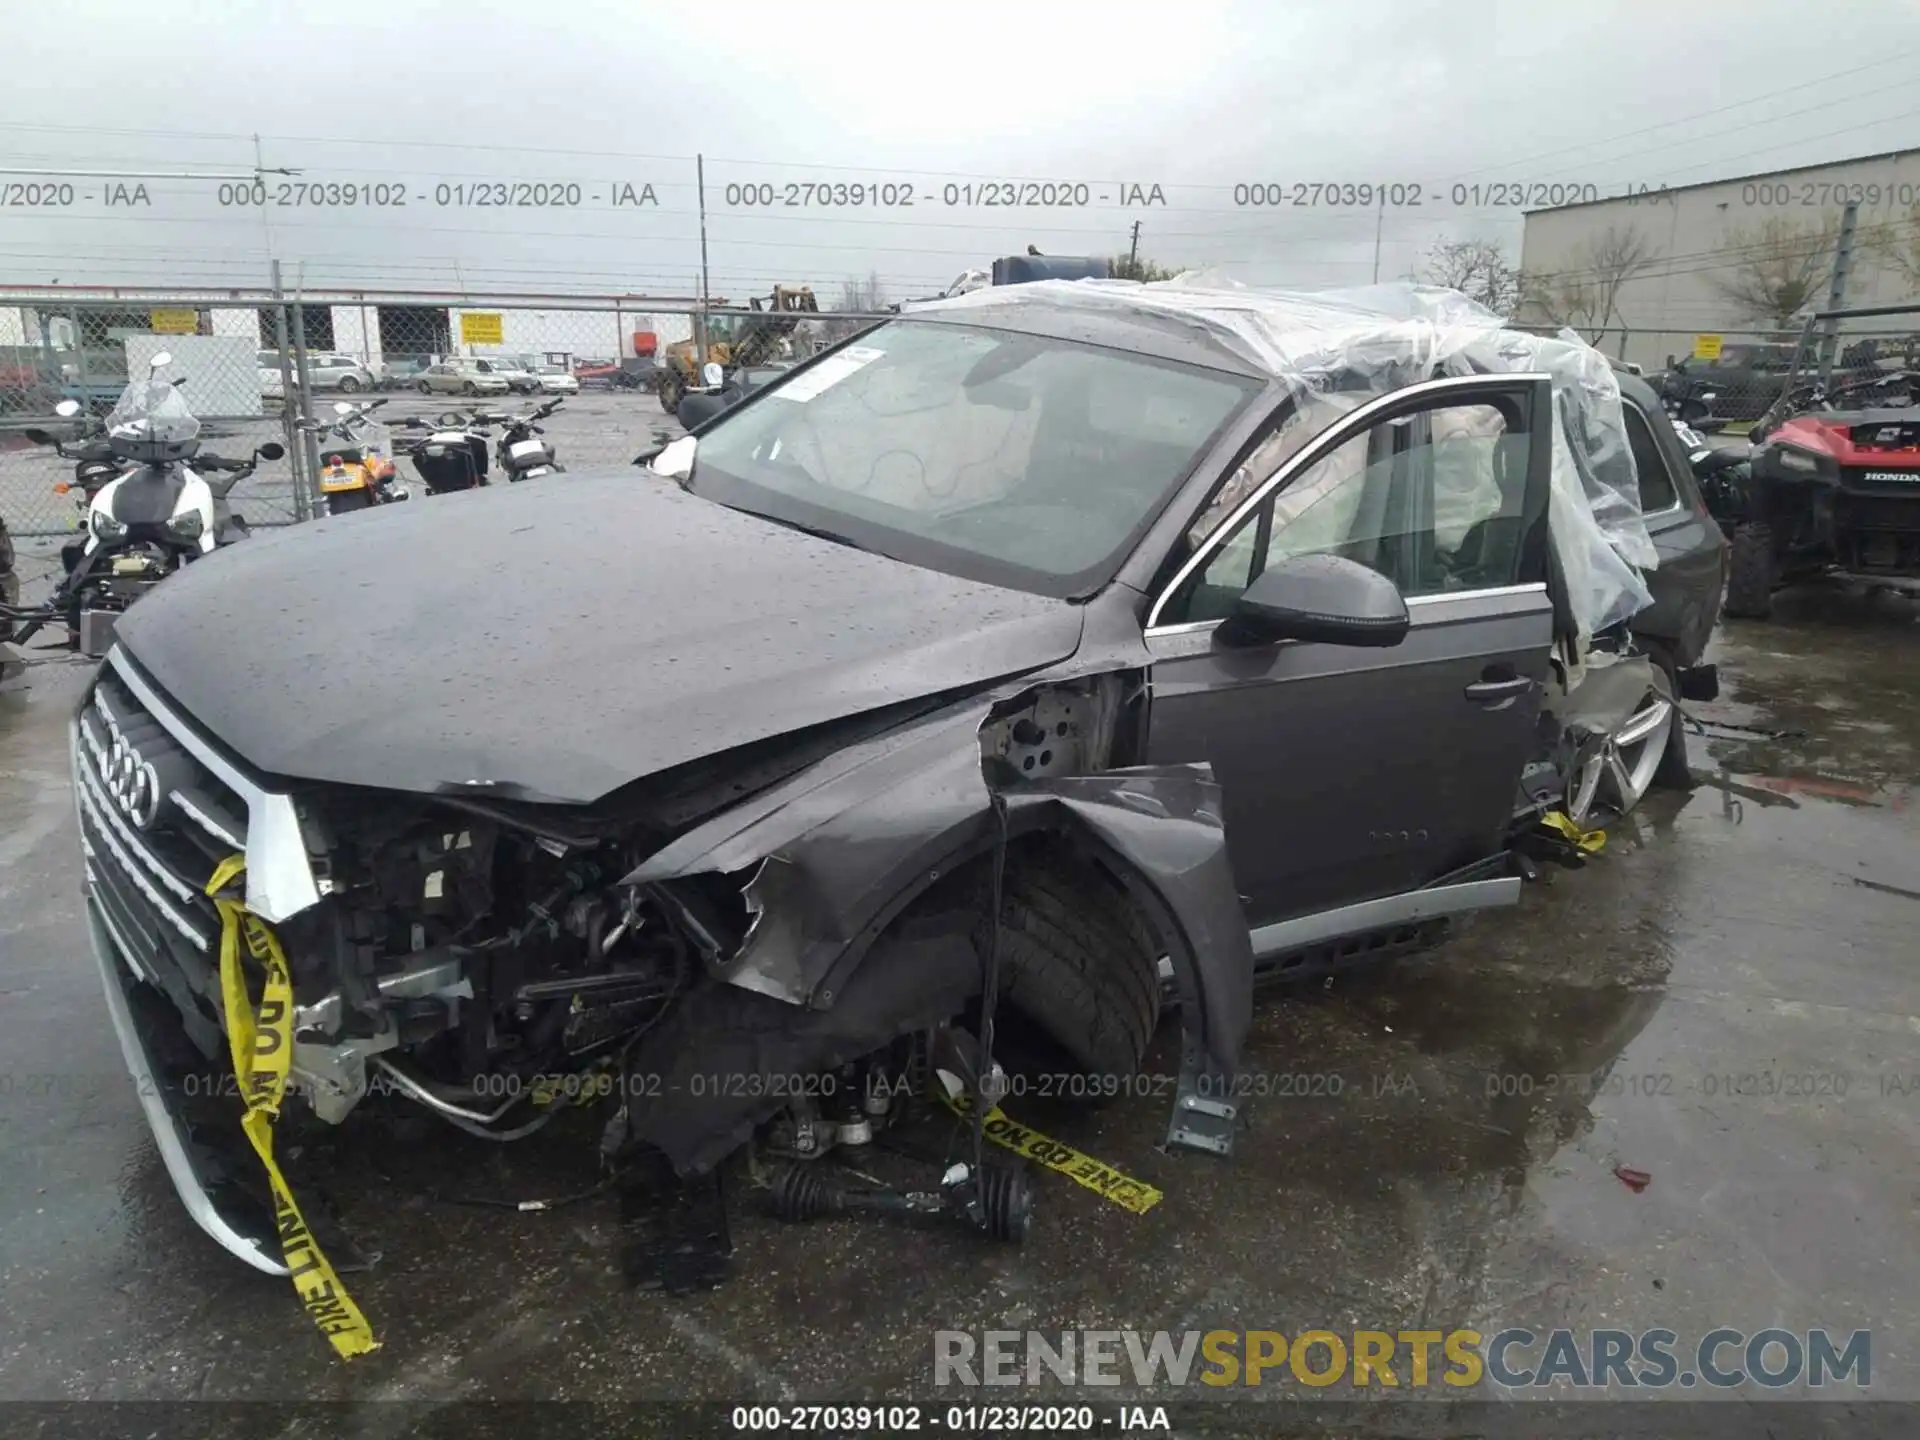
484 969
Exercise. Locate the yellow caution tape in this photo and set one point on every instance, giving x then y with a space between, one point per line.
1587 842
262 1047
1101 1178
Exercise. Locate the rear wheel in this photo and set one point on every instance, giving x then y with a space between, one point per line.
342 501
425 388
469 388
1750 573
1675 772
1073 962
1614 772
348 385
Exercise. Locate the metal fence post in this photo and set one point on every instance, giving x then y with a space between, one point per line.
309 445
296 452
1837 289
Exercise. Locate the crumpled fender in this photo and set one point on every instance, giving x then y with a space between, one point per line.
843 847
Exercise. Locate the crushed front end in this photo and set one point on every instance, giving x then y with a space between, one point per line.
697 948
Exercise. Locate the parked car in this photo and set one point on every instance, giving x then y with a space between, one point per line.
557 380
326 370
1030 638
402 372
521 373
462 375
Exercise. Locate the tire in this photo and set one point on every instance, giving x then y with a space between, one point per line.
469 388
349 385
1750 573
425 388
1072 963
1675 772
343 502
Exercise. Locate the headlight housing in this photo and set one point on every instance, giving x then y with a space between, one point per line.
186 526
105 528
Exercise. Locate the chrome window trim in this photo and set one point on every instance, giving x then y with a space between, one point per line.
280 879
1317 449
1492 592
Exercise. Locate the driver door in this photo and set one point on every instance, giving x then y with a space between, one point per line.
1352 774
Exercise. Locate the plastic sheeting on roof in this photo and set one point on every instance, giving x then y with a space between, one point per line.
1380 338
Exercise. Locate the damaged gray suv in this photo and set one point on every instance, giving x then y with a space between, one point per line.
1214 631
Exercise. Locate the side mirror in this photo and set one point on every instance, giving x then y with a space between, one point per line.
272 450
712 375
67 408
161 360
1324 598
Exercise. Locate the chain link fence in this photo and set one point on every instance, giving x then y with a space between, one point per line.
256 365
1734 376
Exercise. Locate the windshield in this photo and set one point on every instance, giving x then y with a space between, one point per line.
1013 458
152 410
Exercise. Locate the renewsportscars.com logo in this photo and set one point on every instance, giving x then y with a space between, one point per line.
1405 1359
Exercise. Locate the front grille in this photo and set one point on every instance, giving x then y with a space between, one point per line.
154 823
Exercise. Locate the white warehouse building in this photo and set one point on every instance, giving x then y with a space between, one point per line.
1645 275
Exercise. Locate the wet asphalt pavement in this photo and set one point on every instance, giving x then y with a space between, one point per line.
1726 1000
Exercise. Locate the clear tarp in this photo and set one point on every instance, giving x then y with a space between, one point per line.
1339 347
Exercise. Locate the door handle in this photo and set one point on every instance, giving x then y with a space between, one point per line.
1498 694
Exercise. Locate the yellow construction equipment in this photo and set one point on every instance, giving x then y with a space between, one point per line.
734 340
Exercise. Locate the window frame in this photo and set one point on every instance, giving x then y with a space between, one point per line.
1653 440
1533 390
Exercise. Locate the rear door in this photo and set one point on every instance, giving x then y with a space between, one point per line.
1353 774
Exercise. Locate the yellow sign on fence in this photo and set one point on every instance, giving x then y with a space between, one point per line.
481 327
1706 347
175 322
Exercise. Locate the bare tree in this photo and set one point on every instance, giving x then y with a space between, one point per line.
1559 300
1896 245
1775 270
1611 259
1478 269
867 295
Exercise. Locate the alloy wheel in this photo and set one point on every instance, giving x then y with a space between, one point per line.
1615 772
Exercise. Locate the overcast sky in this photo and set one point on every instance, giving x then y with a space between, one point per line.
1193 97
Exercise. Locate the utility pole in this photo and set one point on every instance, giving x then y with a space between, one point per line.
1133 252
1837 290
700 327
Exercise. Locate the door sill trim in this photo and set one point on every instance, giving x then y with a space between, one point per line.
1408 907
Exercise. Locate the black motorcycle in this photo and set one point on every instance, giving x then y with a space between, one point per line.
522 451
453 456
1721 471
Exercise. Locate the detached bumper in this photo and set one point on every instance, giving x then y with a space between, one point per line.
195 1171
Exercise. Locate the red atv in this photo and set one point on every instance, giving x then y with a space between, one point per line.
1834 493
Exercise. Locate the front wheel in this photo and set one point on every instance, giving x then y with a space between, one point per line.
1750 573
1615 771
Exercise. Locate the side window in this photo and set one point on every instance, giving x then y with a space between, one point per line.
1434 500
1649 463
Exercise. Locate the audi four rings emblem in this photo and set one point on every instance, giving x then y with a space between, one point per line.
130 780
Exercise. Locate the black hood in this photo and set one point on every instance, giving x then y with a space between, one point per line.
555 641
